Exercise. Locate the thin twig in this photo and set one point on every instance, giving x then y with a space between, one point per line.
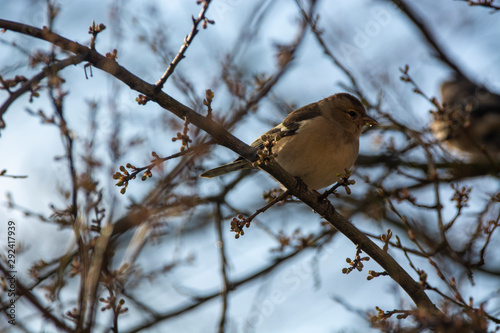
28 85
3 174
23 291
187 41
308 17
264 90
484 3
223 263
462 304
240 222
495 225
428 35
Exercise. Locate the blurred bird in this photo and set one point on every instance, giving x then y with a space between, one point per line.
469 120
315 143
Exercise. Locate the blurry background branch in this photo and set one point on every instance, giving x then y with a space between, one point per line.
429 35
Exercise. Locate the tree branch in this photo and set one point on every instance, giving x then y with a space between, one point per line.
428 35
483 3
226 139
187 41
28 85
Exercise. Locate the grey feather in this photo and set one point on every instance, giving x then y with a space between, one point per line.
294 119
238 164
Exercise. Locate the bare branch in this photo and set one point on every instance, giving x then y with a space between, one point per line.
187 41
429 36
484 3
28 85
223 264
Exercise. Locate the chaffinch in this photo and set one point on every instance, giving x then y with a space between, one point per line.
317 141
470 119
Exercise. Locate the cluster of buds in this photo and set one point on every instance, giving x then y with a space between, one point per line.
35 269
209 94
373 274
11 83
265 154
110 301
94 30
237 225
142 99
6 84
112 55
123 177
75 267
422 280
461 195
386 238
357 263
206 21
73 314
184 137
407 78
383 315
345 181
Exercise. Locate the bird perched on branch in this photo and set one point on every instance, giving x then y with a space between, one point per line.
315 143
469 120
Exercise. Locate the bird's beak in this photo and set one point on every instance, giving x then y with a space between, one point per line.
368 121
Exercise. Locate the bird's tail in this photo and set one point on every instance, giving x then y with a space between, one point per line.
227 168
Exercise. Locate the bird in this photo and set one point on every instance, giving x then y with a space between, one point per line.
469 121
315 143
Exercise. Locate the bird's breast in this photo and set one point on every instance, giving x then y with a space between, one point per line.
317 162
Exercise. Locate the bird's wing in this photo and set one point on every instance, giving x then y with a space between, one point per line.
292 123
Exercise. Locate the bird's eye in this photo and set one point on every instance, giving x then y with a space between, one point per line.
352 113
